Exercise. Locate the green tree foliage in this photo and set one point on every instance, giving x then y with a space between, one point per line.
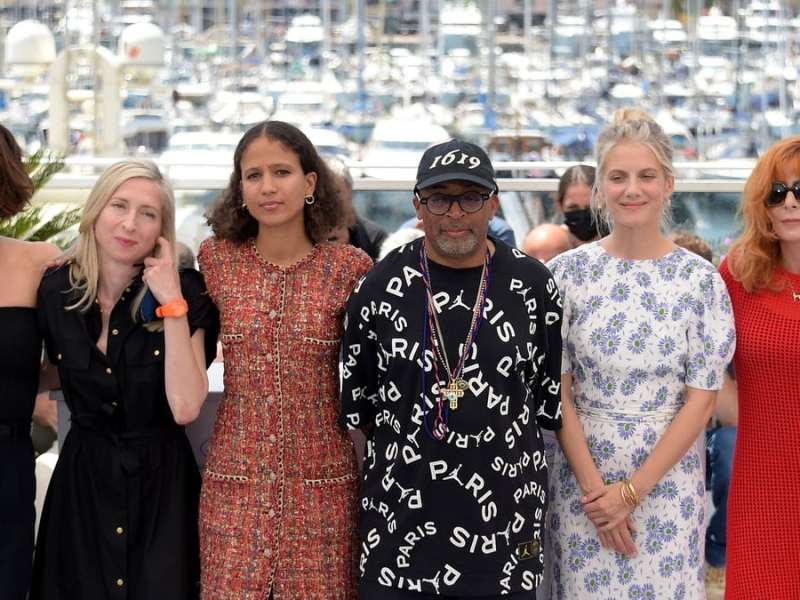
30 224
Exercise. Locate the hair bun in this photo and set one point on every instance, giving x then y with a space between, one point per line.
625 115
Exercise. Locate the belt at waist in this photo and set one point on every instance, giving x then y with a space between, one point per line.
663 415
16 430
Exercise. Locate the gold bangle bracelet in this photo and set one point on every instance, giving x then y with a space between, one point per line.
629 494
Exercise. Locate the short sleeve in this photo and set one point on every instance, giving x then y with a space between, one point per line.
558 267
360 373
208 259
361 264
203 313
548 413
711 335
44 306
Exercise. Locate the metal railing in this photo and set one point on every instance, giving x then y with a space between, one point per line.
712 176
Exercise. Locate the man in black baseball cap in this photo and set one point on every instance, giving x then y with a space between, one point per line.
455 160
452 166
455 197
451 363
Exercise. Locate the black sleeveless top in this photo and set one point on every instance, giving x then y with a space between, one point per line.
20 355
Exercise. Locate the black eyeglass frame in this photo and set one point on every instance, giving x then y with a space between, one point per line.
779 192
424 200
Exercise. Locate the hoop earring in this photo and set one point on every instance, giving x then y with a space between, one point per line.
244 206
310 199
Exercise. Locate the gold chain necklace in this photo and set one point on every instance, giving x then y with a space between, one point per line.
456 385
795 294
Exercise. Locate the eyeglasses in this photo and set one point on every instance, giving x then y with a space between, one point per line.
779 191
439 204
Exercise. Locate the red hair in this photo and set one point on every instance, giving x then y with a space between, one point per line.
756 254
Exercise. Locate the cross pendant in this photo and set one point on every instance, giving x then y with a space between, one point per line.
452 393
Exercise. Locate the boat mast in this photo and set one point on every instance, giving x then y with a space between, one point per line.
491 10
552 17
360 50
527 16
662 67
782 53
325 9
425 39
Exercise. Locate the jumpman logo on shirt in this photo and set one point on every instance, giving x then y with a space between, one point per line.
459 302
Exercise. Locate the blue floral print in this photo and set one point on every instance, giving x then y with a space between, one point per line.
636 333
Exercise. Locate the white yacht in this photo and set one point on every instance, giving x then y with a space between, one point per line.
194 155
398 143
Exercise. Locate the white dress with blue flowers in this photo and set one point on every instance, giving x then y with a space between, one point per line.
636 333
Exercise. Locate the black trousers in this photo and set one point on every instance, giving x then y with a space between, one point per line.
372 591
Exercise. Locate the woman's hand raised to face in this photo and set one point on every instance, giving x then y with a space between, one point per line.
161 274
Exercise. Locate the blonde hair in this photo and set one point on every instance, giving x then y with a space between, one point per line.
634 125
754 257
84 274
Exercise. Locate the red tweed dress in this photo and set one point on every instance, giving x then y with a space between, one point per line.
763 560
279 503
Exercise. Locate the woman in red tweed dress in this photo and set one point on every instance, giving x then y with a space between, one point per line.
762 273
278 509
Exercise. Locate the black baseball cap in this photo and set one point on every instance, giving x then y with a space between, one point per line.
455 160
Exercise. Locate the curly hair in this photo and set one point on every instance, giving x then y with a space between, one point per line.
16 187
229 221
755 255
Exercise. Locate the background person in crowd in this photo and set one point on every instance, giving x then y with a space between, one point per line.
279 502
186 259
573 200
131 338
21 267
546 241
354 230
648 331
720 443
762 272
451 357
398 238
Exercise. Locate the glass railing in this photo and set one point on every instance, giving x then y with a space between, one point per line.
705 200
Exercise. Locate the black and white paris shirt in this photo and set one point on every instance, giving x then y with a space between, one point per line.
461 516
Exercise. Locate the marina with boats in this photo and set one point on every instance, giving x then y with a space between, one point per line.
375 83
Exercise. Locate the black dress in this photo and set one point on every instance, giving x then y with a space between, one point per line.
20 354
120 516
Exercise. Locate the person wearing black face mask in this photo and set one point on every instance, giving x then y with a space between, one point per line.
583 226
573 198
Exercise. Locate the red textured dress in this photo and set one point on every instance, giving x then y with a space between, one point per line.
279 505
763 555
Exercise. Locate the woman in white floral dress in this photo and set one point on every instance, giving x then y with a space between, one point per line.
648 331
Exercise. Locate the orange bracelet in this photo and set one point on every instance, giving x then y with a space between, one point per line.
173 308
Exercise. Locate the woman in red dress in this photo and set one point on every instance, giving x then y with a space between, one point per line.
278 510
762 273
